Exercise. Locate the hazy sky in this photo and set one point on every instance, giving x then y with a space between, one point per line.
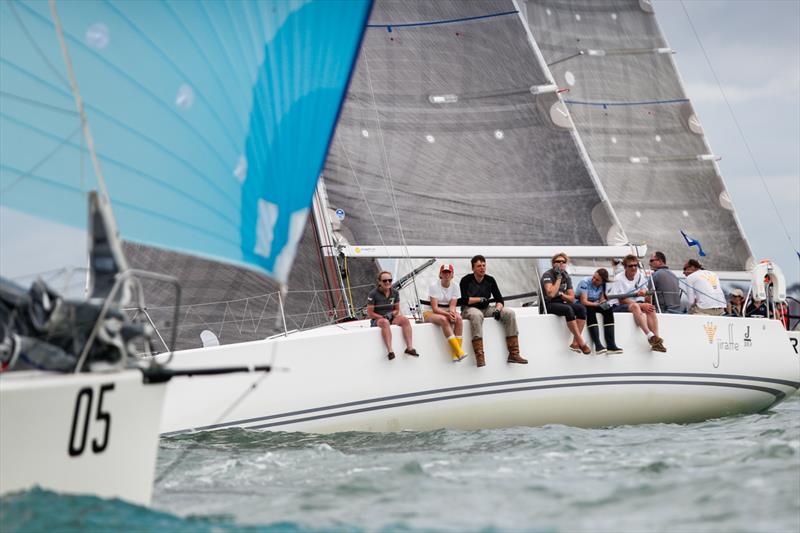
754 48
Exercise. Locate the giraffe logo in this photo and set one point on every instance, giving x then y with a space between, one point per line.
711 331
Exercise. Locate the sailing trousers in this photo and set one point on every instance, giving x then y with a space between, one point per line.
476 316
569 311
592 312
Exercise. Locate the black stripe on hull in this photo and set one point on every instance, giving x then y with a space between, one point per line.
778 395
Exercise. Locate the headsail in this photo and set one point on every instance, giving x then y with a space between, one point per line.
639 128
211 120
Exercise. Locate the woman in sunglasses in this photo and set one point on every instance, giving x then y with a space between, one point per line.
383 308
559 299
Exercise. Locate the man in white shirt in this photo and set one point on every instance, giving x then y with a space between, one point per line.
703 290
444 295
632 283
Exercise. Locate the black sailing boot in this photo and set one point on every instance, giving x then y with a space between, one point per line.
594 333
608 329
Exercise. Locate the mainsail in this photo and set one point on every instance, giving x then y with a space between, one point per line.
639 128
452 133
211 119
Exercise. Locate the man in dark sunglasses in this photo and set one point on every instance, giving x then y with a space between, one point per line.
633 284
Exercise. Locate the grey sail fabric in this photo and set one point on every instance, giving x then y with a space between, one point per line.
236 304
489 167
443 139
639 129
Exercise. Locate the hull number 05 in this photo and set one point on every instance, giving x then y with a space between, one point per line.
83 412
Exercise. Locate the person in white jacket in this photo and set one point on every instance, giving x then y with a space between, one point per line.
703 290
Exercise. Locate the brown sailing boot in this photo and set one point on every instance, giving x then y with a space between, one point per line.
513 351
477 347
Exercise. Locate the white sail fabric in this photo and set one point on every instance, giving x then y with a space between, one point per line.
639 128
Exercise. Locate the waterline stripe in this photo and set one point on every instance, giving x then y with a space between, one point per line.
795 385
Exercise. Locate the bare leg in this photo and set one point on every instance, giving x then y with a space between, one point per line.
576 332
459 326
639 318
386 333
581 324
405 325
443 323
652 323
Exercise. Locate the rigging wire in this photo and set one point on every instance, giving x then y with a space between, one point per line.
252 387
739 129
388 172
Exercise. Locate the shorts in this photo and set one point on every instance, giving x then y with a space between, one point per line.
373 323
620 308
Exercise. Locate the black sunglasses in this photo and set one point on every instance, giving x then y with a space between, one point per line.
631 266
389 280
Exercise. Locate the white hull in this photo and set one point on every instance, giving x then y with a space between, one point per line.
47 439
338 378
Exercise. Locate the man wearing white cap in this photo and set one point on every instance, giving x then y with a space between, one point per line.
443 295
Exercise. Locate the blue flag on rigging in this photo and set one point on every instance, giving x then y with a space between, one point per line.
693 242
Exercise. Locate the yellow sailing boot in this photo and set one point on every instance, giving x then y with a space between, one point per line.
460 341
457 352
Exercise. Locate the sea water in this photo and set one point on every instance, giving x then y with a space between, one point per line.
731 474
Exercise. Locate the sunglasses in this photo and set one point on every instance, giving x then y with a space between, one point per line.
389 280
631 266
559 261
653 259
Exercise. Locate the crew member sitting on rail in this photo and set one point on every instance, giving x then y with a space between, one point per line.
476 289
559 299
443 295
666 285
592 294
632 284
383 308
736 304
703 290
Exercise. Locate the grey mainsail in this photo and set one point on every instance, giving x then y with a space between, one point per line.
639 128
448 136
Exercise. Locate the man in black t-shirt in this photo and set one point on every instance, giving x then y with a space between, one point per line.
476 290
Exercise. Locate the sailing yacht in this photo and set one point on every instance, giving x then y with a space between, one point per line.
182 111
515 130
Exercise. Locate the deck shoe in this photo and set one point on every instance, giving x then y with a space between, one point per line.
477 347
594 333
412 352
390 355
608 330
657 344
585 350
513 351
455 349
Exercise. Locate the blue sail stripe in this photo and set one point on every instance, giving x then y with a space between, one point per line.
176 67
259 85
123 126
211 66
134 82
